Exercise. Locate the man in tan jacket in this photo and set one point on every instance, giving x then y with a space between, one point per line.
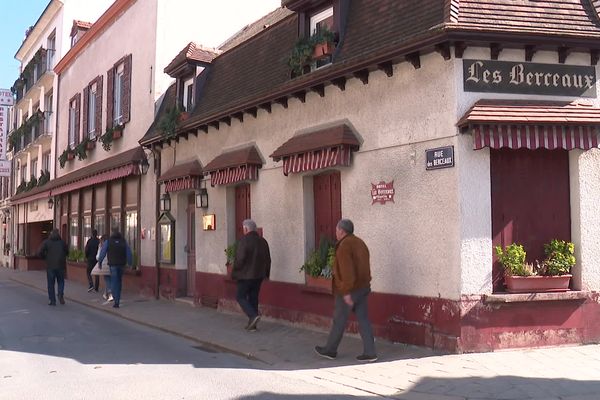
351 287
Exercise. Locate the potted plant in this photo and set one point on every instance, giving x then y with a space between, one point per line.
118 131
307 49
551 275
66 155
301 55
107 139
81 149
90 144
230 255
323 42
168 123
318 266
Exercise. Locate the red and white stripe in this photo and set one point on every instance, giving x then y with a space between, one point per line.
231 175
184 183
535 137
317 159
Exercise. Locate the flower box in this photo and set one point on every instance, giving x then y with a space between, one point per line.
537 284
322 50
183 116
70 156
319 282
117 132
91 145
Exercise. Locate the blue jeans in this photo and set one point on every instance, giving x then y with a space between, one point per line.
58 276
247 296
116 277
107 285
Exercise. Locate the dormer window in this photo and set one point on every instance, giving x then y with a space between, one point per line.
78 29
188 95
319 22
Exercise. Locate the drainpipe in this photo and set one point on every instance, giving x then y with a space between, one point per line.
157 163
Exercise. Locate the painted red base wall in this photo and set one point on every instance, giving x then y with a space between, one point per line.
132 279
465 325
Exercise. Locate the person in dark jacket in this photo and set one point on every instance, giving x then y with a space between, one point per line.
54 250
252 264
119 254
91 251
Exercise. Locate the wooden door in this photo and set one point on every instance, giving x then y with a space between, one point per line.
191 246
328 205
242 208
530 201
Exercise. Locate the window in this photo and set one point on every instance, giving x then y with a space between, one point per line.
131 233
188 94
73 232
115 220
242 208
100 224
119 93
87 228
166 225
46 162
74 104
318 21
327 205
51 47
91 110
23 172
34 167
48 120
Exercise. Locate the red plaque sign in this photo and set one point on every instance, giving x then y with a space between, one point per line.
382 192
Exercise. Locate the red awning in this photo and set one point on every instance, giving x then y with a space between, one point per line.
317 150
234 166
532 125
105 176
186 176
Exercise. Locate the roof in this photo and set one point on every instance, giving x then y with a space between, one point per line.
191 168
246 156
192 53
328 137
127 157
378 32
82 24
168 102
530 112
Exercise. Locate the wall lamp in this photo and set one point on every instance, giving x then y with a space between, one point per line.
202 198
165 202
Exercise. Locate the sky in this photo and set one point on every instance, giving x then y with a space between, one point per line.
18 15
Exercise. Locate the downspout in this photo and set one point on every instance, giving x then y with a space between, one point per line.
157 164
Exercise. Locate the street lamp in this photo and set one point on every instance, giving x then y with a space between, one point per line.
50 203
144 166
165 202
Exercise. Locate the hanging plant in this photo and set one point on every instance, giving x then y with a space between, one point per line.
64 156
81 149
107 139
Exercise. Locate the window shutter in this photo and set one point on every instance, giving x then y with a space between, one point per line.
126 92
110 92
85 116
98 112
77 114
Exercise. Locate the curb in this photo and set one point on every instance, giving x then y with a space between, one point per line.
204 343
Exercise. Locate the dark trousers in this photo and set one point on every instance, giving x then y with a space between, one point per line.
340 319
247 296
116 277
58 276
96 281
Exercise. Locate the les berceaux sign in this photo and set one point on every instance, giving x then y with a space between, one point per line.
529 78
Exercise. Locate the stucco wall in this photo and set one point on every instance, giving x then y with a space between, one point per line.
397 118
475 200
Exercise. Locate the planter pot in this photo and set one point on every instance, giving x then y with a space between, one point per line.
537 284
117 133
70 156
90 145
229 269
183 116
322 50
319 283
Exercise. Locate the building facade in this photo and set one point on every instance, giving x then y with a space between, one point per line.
437 129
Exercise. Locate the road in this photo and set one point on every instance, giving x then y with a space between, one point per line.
75 352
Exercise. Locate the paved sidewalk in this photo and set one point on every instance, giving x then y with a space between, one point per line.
402 372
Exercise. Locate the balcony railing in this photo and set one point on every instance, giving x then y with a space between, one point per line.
32 72
27 133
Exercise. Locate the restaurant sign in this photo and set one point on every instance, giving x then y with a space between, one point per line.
382 192
529 78
442 157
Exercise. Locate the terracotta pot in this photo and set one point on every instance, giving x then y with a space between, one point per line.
229 269
117 133
183 116
322 50
319 282
70 156
537 284
90 145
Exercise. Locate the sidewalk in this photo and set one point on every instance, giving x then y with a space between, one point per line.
403 372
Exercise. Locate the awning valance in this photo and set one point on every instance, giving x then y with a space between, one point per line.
119 166
186 176
532 125
316 150
234 166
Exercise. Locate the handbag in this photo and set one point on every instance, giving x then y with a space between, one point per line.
97 271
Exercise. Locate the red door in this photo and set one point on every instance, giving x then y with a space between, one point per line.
191 246
242 208
328 205
530 201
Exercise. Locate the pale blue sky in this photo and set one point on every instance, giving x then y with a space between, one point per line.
16 17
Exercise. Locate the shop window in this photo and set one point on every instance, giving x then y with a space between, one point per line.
115 220
131 233
100 224
87 228
166 225
327 205
73 232
242 208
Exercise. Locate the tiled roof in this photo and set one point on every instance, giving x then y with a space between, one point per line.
377 31
531 112
246 156
578 17
82 24
329 137
188 169
192 52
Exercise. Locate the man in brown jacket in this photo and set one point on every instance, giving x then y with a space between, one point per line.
252 264
351 287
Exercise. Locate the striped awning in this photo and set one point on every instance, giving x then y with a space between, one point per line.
326 148
234 166
186 176
532 125
116 173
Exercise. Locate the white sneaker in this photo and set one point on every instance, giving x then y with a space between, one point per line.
106 302
104 296
110 298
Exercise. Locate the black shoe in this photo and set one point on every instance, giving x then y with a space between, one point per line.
116 306
324 353
61 299
51 303
366 358
252 325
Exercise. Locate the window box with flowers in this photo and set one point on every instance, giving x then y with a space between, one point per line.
318 266
309 49
551 275
67 155
110 135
